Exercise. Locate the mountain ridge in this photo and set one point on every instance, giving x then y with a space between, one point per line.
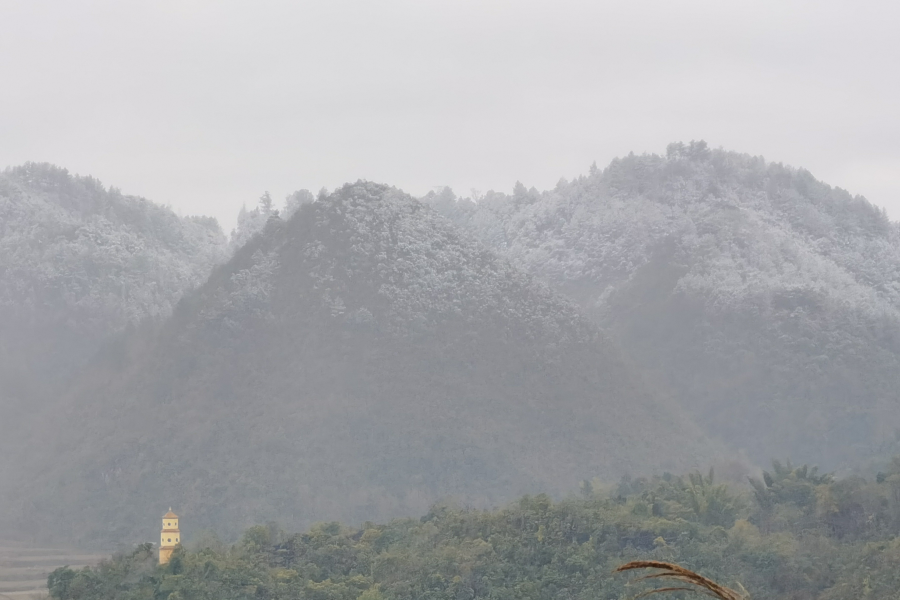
759 295
79 263
88 261
360 360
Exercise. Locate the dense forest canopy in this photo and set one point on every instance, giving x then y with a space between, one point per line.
794 534
78 252
766 302
80 262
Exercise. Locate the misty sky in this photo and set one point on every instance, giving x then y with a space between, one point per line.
203 105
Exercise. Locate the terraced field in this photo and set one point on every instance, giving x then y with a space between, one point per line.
24 570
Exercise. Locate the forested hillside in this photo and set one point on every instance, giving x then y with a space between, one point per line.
798 534
357 361
78 263
763 300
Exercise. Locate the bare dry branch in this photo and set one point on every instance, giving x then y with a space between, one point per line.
701 584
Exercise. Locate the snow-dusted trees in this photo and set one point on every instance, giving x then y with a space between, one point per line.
251 222
752 290
92 257
295 200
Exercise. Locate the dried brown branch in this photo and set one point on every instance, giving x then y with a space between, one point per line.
698 583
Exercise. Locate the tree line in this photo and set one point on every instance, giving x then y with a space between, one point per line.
791 533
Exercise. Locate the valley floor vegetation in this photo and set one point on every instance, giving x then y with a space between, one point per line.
793 533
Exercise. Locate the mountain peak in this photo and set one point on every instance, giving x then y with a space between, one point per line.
756 293
361 360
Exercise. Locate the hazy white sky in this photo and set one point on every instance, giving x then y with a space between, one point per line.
203 105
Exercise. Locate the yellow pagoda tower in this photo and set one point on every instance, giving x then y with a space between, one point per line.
170 536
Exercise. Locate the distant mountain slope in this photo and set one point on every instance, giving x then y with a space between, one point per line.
79 262
358 361
765 300
79 259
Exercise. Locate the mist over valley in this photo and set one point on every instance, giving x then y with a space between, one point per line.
449 300
363 354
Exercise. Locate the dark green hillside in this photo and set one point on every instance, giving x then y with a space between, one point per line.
358 361
797 535
766 301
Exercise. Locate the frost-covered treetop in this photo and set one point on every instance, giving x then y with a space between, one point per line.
92 257
757 295
378 257
746 227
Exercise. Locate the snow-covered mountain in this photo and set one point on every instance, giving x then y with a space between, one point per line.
78 263
765 301
357 361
